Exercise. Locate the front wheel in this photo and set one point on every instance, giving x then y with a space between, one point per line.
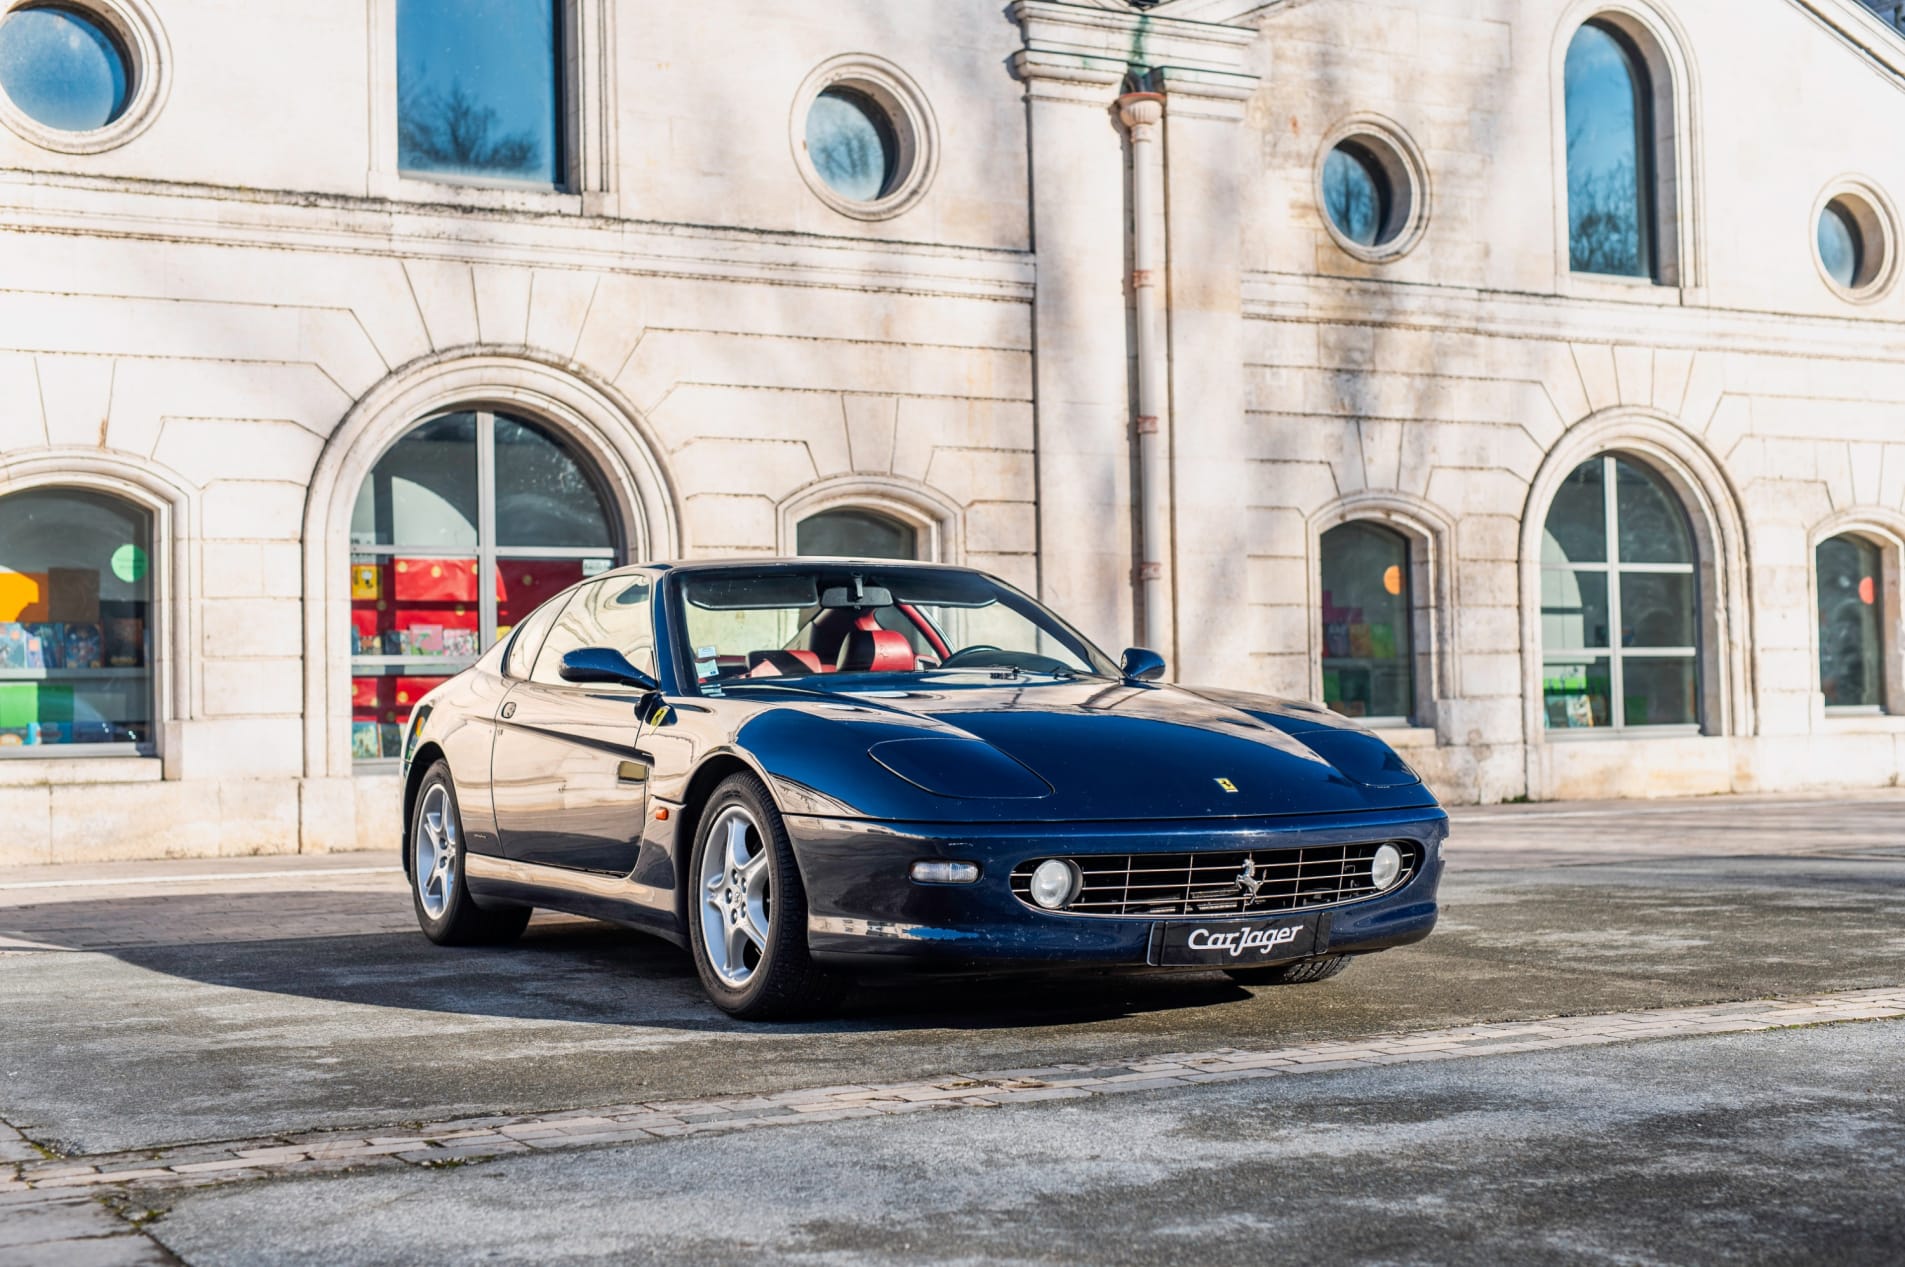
445 911
747 913
1302 972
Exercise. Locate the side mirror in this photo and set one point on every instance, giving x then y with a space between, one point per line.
1139 665
606 665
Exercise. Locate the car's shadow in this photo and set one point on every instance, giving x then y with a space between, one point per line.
563 970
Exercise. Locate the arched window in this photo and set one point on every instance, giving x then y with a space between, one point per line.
1611 173
1368 647
856 534
75 624
1851 627
1619 602
462 528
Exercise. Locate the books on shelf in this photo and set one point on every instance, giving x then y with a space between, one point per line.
85 646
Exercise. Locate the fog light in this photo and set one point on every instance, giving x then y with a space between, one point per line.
1385 866
933 871
1054 883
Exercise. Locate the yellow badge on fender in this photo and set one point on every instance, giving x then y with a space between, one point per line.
1227 785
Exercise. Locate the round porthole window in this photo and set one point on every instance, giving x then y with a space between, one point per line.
63 68
864 138
80 78
1853 241
1372 189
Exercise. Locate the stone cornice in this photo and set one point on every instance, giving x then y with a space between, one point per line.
1860 30
1090 44
1565 319
32 202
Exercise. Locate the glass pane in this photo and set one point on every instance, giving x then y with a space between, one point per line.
1653 528
1355 194
544 498
414 606
856 534
851 143
1658 691
1607 120
1657 609
535 627
62 68
1851 648
1576 529
478 90
1575 693
381 699
75 620
623 619
1367 653
522 585
573 630
423 492
1839 244
1573 610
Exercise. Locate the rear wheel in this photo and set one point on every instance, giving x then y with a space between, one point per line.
747 916
445 911
1301 972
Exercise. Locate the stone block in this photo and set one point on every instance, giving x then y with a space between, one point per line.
27 813
250 627
327 815
104 822
258 816
252 510
252 688
379 812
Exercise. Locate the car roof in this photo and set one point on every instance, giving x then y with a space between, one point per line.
769 562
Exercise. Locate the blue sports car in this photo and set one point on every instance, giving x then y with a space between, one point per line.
808 768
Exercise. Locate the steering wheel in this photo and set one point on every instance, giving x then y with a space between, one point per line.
953 661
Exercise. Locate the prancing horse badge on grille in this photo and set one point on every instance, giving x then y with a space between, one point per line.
1227 785
1249 881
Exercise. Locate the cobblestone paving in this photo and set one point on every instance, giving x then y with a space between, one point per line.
440 1143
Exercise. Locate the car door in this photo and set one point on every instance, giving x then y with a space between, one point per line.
569 778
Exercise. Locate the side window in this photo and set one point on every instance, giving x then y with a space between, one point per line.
573 630
522 652
623 618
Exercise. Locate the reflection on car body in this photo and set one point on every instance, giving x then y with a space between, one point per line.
801 769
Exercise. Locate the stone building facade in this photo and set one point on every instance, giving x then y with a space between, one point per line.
1270 335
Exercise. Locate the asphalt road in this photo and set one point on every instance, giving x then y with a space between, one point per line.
148 1005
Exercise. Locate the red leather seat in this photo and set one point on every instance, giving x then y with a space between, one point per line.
876 651
782 663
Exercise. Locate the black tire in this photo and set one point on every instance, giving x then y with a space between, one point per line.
1302 972
781 980
459 921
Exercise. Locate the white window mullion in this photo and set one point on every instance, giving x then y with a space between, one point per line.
1616 678
485 529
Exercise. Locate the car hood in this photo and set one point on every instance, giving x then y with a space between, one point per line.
1035 749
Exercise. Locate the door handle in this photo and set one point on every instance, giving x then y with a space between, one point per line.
509 708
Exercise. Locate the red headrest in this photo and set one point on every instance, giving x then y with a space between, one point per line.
876 651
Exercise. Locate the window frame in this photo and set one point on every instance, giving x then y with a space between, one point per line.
1676 187
134 26
1411 609
1616 654
585 124
1886 531
488 550
157 671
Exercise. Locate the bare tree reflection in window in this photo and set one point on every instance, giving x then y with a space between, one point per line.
438 131
1608 133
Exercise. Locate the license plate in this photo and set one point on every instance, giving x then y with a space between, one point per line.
1230 944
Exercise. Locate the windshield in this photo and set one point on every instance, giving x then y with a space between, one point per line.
747 625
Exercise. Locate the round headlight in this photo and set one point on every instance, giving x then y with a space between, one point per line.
1385 866
1054 883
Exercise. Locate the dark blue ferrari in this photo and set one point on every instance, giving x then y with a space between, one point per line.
807 768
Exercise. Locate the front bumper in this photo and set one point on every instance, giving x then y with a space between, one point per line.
865 910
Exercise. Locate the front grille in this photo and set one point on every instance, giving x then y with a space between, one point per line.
1208 883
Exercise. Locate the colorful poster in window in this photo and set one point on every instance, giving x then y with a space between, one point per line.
366 582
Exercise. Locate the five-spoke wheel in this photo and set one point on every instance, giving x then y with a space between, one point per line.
748 911
737 899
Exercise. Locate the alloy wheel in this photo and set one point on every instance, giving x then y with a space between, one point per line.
736 902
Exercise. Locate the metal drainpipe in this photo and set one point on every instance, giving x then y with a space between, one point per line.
1142 112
